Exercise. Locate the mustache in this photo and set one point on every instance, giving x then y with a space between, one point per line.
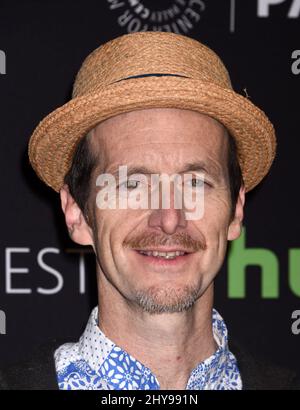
153 239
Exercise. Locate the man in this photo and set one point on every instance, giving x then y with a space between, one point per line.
157 104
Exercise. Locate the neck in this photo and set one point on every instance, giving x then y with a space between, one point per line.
168 343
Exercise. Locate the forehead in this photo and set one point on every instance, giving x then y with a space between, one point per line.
159 133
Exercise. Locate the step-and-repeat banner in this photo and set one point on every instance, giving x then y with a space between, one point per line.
47 283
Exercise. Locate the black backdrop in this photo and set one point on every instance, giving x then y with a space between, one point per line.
47 283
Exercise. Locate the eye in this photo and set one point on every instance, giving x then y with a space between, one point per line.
129 184
195 182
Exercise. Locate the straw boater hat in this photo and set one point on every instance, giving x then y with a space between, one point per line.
146 70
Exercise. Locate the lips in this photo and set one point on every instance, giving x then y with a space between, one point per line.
164 257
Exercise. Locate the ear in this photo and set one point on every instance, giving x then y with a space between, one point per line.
79 231
235 226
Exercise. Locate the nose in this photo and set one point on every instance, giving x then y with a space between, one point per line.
170 219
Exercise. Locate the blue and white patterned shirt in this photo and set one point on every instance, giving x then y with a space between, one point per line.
97 363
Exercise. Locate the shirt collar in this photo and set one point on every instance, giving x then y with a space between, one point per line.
109 360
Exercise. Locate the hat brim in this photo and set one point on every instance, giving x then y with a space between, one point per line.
54 140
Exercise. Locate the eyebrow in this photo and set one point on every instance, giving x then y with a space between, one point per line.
188 167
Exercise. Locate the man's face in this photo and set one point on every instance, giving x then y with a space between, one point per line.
162 141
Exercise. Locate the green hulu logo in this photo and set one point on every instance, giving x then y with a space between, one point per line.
240 257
